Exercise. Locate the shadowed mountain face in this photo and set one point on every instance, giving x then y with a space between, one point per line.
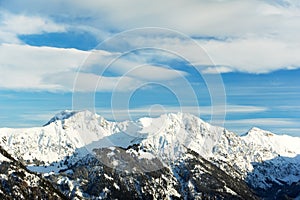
17 182
188 178
281 174
176 156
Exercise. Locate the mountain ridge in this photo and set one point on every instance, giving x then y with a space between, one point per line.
72 135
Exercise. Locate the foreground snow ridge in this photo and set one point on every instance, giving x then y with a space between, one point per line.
72 135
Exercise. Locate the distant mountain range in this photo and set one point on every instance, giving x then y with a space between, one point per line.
80 155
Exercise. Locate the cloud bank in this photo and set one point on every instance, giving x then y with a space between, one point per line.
239 36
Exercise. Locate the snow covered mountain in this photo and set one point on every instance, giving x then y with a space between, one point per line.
181 150
70 133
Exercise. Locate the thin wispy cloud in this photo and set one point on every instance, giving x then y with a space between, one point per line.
278 125
156 111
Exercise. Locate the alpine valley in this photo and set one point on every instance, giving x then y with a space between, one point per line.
80 155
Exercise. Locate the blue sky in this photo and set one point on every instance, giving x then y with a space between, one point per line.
198 56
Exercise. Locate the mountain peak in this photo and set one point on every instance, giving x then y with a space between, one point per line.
66 114
181 116
255 131
254 128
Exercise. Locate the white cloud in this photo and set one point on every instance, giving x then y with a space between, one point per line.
13 25
123 65
22 24
209 18
217 69
250 54
28 67
49 68
253 55
198 18
87 82
263 36
256 36
155 73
